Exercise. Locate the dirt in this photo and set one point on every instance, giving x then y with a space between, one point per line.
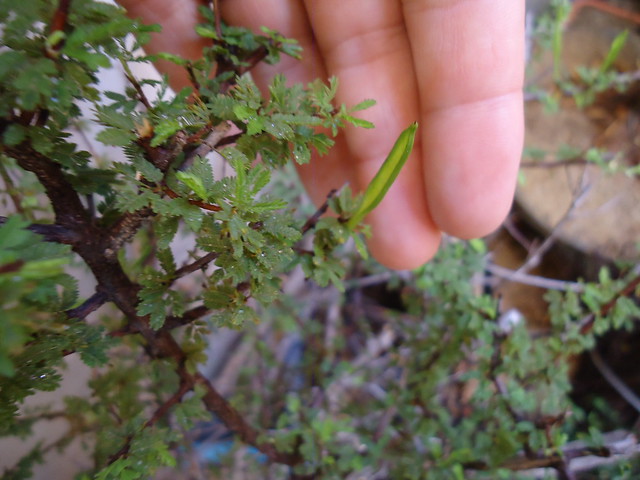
597 211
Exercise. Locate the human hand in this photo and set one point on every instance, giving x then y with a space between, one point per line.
456 66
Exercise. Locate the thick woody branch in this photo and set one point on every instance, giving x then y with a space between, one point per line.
124 229
66 203
95 246
52 232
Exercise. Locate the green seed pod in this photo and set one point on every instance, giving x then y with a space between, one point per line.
387 174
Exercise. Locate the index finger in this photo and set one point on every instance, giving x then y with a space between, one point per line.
469 62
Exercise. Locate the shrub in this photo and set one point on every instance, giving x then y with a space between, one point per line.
442 387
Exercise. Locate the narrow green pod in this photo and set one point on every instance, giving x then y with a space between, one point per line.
387 174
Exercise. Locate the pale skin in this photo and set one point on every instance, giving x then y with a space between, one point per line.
456 66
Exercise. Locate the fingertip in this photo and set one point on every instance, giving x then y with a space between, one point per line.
474 221
403 234
472 173
400 248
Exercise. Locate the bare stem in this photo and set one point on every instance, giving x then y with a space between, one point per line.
89 306
313 220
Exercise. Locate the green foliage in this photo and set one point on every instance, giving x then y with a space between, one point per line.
456 391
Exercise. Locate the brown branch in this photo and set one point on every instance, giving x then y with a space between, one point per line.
254 59
60 16
313 220
218 17
187 317
11 190
193 79
124 229
198 203
217 404
196 265
119 289
11 267
58 24
210 142
52 232
138 88
55 233
160 412
229 140
90 305
170 402
161 344
65 201
224 66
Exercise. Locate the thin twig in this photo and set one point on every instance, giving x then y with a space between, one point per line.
555 163
209 144
236 422
535 257
11 190
136 85
218 16
90 305
168 404
193 79
376 279
230 139
196 265
187 317
533 280
614 380
198 203
313 220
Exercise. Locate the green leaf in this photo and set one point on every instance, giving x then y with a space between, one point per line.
359 122
165 229
164 130
14 134
385 177
115 136
206 31
361 246
147 170
616 46
172 58
368 103
243 112
478 245
195 183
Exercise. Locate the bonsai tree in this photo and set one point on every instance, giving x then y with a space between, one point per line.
391 408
